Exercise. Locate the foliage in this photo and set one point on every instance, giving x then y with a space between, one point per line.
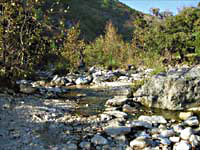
23 42
197 42
168 37
73 48
32 33
109 50
94 14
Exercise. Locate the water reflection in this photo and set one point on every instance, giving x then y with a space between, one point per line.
91 102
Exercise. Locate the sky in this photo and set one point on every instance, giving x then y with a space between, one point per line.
171 5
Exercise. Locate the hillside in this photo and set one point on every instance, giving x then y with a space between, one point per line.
93 15
40 34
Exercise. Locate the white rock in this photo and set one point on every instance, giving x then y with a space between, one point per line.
82 81
178 128
92 69
99 140
139 142
128 148
153 119
22 82
117 113
167 133
186 133
55 78
194 140
165 147
58 81
105 117
156 136
123 78
194 109
183 145
155 131
185 115
141 124
192 121
174 139
162 127
136 76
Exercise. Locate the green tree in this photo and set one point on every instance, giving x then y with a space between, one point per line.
141 30
197 42
108 50
73 48
23 42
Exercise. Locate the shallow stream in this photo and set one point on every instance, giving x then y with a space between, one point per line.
91 101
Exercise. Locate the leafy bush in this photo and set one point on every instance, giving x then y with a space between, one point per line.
109 50
22 44
73 48
23 38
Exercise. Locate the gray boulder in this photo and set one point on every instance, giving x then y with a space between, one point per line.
174 90
116 101
27 88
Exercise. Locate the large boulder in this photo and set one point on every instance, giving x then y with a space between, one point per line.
175 90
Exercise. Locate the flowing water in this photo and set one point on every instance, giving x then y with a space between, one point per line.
91 101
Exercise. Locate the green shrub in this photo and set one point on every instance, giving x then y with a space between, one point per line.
23 43
73 48
109 50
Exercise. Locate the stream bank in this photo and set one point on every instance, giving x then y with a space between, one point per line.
101 116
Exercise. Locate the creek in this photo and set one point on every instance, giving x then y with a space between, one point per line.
91 101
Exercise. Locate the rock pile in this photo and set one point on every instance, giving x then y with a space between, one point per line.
151 132
29 122
95 76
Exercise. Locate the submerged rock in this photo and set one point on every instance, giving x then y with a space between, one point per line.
117 113
116 101
117 130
